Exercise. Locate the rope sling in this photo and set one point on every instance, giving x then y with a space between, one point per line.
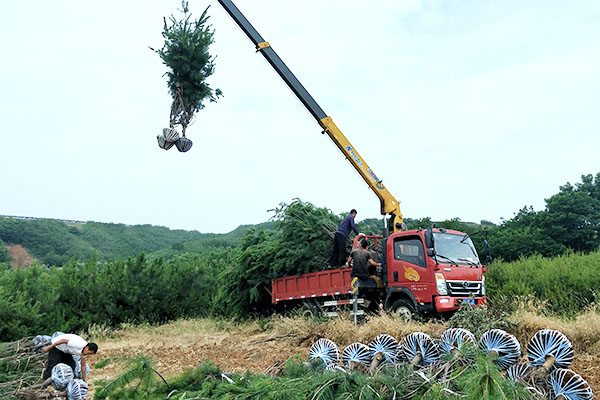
179 116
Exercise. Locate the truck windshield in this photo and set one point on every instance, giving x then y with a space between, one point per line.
455 248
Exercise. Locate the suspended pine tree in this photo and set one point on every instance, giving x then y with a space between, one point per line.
185 53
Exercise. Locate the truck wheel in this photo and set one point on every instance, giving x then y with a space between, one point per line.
403 309
308 310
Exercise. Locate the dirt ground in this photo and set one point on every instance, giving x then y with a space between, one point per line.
19 256
184 344
588 366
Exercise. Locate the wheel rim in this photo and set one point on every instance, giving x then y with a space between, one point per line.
307 313
404 313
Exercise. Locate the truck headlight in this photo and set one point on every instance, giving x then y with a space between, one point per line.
483 285
440 283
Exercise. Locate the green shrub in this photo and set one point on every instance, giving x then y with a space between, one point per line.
42 300
566 284
477 320
299 243
17 313
4 254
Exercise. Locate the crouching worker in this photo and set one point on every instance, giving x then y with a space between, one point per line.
62 350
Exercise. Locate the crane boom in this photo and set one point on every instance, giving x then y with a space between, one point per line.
389 205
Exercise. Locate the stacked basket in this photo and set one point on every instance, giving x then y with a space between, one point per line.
171 137
545 374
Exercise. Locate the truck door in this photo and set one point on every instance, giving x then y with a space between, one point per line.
408 268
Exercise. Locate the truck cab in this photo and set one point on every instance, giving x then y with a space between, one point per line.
431 271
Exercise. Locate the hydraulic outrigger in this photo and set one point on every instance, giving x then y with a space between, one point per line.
389 205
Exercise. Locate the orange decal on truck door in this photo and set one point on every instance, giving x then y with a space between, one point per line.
411 274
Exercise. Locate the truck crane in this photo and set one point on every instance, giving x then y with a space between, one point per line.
431 270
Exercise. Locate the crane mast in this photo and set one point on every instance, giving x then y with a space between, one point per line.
389 205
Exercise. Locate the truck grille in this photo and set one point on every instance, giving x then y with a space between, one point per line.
464 288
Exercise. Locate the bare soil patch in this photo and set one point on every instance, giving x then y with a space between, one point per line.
19 256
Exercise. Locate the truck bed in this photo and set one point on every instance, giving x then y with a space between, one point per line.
314 284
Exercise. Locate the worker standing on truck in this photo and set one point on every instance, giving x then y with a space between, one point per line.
338 255
360 258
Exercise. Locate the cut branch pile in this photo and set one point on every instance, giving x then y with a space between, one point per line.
20 368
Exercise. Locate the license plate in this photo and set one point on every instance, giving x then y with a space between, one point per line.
470 301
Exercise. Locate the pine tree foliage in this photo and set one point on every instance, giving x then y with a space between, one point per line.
300 243
4 254
185 53
140 376
480 380
484 382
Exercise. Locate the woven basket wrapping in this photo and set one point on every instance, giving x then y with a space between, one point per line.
504 344
420 343
77 389
163 144
183 144
457 339
39 339
356 352
170 134
78 367
550 342
62 374
570 385
325 350
520 372
385 344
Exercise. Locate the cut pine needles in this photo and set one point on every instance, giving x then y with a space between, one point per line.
301 380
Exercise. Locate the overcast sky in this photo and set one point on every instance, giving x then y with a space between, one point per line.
468 109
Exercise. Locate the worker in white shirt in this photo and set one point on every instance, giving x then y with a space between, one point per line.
63 348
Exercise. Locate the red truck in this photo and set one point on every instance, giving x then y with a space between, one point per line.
424 271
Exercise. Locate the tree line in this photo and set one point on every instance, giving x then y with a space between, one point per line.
551 254
569 221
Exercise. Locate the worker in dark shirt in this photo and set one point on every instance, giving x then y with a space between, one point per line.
338 255
360 258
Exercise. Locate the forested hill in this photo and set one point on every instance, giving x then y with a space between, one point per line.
54 242
569 222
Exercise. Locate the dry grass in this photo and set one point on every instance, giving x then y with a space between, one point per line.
343 332
583 332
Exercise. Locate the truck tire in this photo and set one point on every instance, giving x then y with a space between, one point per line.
403 309
308 310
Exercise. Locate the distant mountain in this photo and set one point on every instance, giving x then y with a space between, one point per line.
54 242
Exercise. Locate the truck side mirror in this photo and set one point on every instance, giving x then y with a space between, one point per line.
430 252
429 238
488 256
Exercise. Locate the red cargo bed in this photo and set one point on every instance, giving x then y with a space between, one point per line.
314 284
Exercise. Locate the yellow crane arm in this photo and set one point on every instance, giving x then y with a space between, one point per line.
389 205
